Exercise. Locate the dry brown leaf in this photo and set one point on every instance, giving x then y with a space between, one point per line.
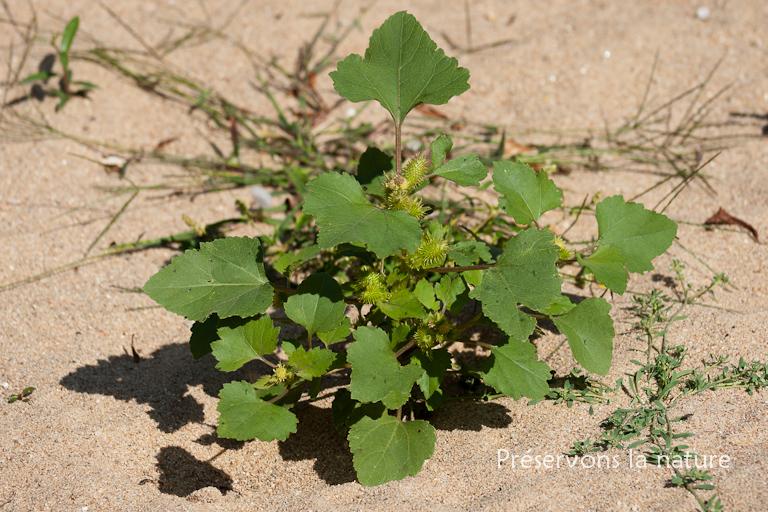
723 217
512 148
163 143
428 111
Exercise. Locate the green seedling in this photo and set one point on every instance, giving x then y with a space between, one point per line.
23 396
386 279
65 90
660 382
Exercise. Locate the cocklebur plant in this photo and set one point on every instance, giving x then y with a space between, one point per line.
409 279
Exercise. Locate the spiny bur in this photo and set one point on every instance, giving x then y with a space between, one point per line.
372 286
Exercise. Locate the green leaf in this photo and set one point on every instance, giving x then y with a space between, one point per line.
376 373
466 170
402 69
439 148
66 41
402 304
41 76
244 415
514 369
524 274
524 194
469 252
318 304
372 169
86 86
434 364
203 334
225 276
426 294
346 412
607 263
243 343
63 99
311 364
344 214
589 329
559 306
387 449
290 261
639 234
473 277
448 289
337 334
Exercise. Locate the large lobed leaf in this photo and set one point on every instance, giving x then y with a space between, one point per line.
387 449
376 373
244 415
225 276
243 343
524 194
318 304
466 170
524 274
607 263
311 364
402 68
344 215
589 329
402 304
514 369
640 234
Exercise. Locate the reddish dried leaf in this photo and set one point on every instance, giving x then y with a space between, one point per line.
430 111
723 217
163 143
512 148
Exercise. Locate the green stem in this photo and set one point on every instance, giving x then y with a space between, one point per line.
398 148
281 395
405 347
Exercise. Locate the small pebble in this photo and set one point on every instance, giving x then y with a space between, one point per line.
702 13
351 112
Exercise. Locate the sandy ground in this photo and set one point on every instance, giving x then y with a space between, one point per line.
105 433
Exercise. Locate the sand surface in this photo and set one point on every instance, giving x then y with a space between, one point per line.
103 432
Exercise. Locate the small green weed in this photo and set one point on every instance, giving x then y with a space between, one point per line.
23 396
65 91
661 382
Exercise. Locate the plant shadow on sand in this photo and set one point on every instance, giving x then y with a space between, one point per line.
162 381
181 473
317 438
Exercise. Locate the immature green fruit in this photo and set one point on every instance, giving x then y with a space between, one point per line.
433 332
563 251
425 337
432 250
414 170
396 197
372 287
